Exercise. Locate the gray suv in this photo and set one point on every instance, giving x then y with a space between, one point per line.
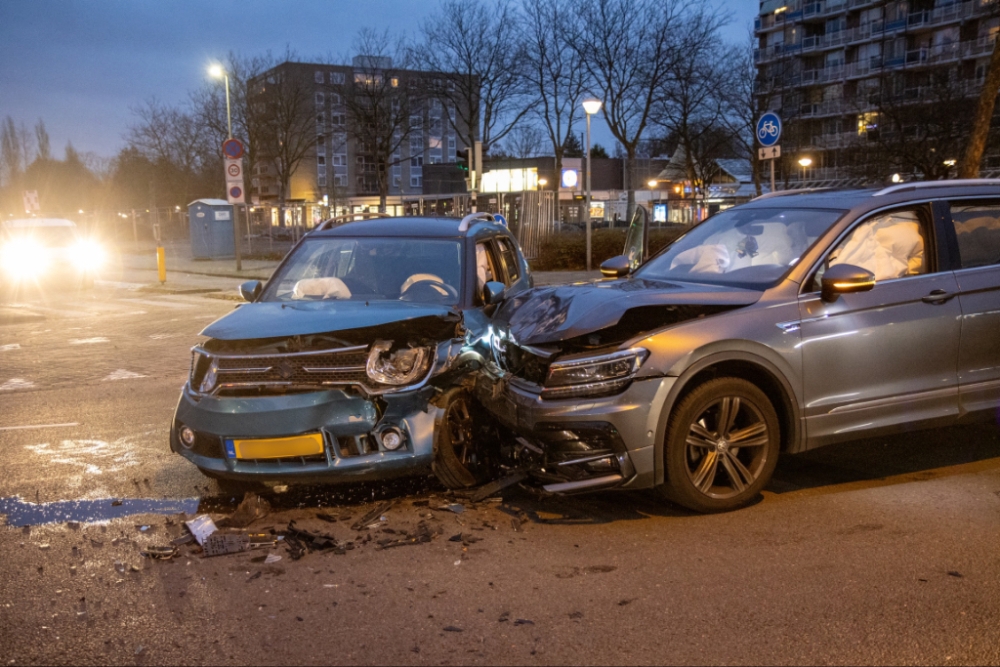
791 322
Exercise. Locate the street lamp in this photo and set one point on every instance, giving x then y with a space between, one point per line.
804 162
591 106
542 183
219 73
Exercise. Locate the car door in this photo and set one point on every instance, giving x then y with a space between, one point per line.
888 356
977 235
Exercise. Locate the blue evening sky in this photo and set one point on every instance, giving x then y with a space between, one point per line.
80 64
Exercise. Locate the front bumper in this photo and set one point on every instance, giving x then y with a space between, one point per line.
350 426
573 430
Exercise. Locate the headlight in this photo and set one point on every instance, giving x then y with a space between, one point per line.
87 256
24 259
204 372
404 366
594 376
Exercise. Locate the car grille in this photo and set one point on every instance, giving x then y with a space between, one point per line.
518 361
303 371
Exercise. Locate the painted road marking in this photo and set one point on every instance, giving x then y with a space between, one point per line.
122 374
9 347
35 426
88 341
15 384
119 285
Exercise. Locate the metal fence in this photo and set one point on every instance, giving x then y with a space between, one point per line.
536 221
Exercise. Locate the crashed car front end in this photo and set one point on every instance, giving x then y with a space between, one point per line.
321 407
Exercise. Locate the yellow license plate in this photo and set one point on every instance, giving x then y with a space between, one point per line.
277 448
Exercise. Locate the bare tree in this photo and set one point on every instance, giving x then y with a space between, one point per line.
380 103
747 97
551 67
973 155
526 141
629 49
15 149
42 141
474 42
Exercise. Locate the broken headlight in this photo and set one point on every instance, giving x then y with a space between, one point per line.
203 371
594 376
400 367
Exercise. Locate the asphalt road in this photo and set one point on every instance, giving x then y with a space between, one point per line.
882 551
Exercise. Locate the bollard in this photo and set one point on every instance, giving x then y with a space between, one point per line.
161 257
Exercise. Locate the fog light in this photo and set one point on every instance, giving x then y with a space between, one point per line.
392 439
187 437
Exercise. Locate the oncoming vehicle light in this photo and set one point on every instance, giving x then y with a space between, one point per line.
594 376
87 255
404 366
24 259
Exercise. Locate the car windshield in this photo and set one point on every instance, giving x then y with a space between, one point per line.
370 269
742 247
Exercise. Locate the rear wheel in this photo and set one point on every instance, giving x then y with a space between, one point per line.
462 454
721 446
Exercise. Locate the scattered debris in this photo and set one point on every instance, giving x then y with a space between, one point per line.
44 547
186 538
253 576
272 558
576 614
452 628
301 541
280 488
201 527
457 508
250 509
159 553
953 573
422 536
455 538
494 487
504 617
372 515
523 621
219 544
116 503
323 516
622 603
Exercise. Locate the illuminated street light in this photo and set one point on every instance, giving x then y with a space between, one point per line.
216 71
804 162
896 178
591 106
542 183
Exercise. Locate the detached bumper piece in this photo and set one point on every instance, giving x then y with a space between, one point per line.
577 456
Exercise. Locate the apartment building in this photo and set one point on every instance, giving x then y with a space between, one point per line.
338 174
863 86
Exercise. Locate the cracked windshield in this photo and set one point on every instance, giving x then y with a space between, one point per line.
499 332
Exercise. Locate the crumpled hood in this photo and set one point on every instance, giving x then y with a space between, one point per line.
273 319
550 314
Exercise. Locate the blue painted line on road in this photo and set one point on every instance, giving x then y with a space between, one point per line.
21 513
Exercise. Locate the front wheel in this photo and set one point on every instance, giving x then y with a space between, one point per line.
721 446
464 455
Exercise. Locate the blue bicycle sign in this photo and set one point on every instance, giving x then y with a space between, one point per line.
769 129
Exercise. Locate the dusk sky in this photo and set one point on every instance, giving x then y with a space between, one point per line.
80 65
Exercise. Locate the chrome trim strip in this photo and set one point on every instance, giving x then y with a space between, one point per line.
339 350
895 400
583 485
332 369
587 459
243 370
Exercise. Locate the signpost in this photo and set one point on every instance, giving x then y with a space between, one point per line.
768 134
232 151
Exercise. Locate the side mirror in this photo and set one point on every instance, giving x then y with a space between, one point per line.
616 267
493 292
845 279
250 290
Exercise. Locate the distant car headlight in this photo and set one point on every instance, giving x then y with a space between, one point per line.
404 366
593 376
87 256
24 258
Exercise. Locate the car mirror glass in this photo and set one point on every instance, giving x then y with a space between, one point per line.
493 292
250 290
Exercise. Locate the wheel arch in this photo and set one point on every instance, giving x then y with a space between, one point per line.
740 364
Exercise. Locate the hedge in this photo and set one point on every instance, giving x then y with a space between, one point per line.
568 251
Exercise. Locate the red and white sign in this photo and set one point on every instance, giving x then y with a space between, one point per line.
31 201
234 171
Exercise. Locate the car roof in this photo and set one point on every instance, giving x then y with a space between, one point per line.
405 226
28 223
862 200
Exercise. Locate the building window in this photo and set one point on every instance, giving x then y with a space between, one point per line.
335 99
340 180
335 78
417 161
339 160
416 181
320 119
395 181
867 122
320 160
319 76
338 119
319 99
321 181
394 82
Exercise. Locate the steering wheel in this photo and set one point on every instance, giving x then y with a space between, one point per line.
434 290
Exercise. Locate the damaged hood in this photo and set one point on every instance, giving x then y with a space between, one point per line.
552 314
273 319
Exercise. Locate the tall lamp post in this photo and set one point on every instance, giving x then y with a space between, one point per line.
217 72
591 106
804 163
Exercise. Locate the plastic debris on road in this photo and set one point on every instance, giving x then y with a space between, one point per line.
201 527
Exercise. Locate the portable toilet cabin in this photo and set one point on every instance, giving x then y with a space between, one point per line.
211 229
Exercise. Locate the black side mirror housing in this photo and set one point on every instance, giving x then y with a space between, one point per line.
845 279
616 267
493 292
250 290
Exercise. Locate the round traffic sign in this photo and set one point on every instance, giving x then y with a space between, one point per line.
234 170
236 192
769 129
232 148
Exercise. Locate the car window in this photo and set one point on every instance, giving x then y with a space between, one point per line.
977 228
891 245
509 256
487 268
407 269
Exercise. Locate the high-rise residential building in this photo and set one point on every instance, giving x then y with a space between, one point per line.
871 88
338 173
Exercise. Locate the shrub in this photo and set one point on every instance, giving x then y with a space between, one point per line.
568 251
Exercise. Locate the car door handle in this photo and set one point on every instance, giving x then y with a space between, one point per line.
938 296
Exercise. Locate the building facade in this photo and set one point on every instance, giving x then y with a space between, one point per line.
338 173
873 89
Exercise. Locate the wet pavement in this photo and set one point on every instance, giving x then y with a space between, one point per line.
880 551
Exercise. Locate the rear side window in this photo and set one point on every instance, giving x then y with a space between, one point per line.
977 228
509 259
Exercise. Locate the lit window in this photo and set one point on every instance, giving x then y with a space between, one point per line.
867 122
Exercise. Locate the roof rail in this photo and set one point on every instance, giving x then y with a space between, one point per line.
919 185
349 217
785 193
469 219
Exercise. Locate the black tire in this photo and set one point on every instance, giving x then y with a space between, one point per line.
721 446
463 458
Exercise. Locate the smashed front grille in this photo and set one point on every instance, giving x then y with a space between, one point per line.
519 361
233 375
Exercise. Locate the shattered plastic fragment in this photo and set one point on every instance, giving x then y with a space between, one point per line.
160 553
497 486
457 508
367 518
201 527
